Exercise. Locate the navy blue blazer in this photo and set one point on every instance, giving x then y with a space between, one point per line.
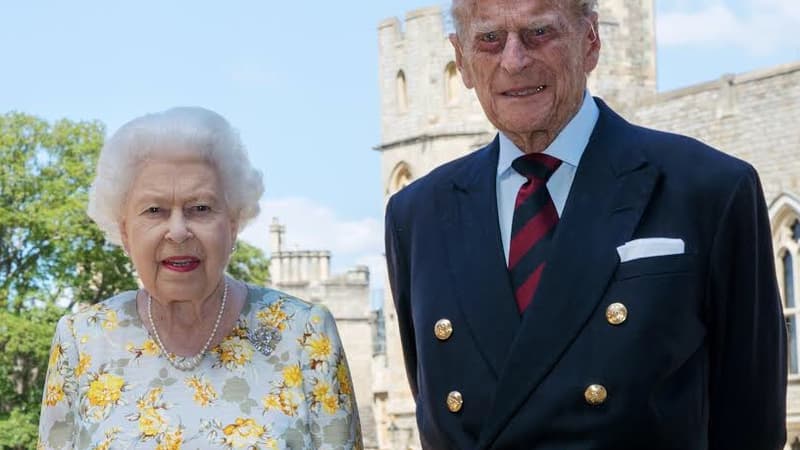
698 364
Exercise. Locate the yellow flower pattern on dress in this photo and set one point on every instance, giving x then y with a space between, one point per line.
55 353
204 393
274 315
148 348
104 392
234 352
320 348
153 422
106 389
243 433
111 435
330 404
285 394
292 376
54 390
84 361
324 398
101 314
110 321
109 387
343 377
171 441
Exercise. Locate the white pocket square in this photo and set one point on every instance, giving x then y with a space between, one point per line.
647 247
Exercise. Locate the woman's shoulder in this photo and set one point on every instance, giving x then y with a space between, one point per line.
121 306
261 297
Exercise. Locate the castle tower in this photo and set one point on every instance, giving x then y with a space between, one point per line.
626 74
427 116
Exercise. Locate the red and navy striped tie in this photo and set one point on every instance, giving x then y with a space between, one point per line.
535 219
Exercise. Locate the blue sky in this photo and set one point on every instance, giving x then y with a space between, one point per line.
299 80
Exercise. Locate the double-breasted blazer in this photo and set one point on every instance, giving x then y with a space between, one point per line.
679 351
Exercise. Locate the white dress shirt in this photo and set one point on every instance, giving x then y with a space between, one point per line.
568 146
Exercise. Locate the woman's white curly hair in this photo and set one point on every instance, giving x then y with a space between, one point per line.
184 132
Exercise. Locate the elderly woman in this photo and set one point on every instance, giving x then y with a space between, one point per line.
193 359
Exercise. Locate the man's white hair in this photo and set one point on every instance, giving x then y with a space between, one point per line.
460 9
185 132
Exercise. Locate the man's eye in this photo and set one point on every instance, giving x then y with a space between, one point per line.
489 37
535 36
153 210
201 208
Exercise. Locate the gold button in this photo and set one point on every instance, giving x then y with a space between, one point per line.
616 313
595 394
443 329
454 401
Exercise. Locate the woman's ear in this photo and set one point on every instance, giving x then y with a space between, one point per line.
124 236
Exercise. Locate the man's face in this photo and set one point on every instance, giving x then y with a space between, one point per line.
527 60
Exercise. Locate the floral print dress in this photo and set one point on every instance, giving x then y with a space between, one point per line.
279 380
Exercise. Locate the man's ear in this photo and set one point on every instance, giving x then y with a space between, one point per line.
592 42
466 76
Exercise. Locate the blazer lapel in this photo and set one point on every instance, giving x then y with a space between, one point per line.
475 252
611 189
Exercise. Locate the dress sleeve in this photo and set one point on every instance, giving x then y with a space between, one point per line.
333 413
57 423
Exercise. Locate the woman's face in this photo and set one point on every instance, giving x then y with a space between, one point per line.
177 229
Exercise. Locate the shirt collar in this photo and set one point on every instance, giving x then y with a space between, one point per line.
568 146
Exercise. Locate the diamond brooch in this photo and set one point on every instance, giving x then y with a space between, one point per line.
264 338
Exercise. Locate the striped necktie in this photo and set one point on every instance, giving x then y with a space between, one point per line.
535 219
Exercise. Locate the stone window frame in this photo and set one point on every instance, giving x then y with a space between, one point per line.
784 216
401 94
400 177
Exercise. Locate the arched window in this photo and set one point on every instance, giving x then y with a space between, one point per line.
400 178
785 220
402 92
796 230
790 308
788 280
452 83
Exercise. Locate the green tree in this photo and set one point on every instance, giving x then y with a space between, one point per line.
51 254
49 249
24 348
249 264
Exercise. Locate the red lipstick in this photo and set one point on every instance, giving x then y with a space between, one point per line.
181 263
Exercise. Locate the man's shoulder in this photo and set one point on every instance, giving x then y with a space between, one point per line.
443 175
682 153
673 152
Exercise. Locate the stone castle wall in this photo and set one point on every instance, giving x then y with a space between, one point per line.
752 116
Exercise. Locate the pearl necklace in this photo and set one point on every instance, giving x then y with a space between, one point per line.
186 362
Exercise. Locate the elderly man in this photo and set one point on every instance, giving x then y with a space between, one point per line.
581 282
